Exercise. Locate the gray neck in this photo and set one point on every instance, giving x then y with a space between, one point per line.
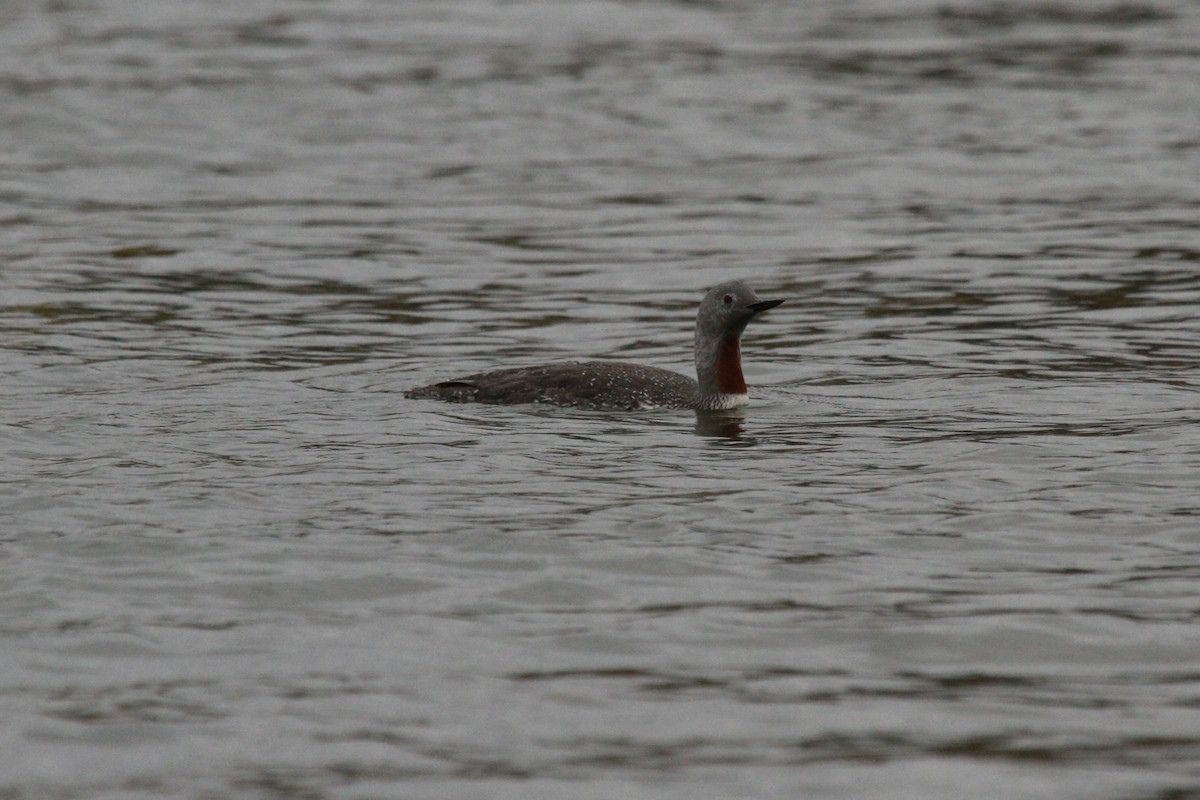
706 365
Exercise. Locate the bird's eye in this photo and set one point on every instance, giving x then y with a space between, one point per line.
727 299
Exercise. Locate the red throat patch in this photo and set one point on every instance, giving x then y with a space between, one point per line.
729 368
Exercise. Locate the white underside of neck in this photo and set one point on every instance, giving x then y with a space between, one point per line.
724 402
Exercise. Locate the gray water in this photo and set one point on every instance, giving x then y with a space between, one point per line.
951 550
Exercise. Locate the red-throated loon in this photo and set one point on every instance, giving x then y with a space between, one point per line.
724 313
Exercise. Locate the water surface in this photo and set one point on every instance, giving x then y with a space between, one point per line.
950 550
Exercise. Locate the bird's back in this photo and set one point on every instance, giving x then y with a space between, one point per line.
584 384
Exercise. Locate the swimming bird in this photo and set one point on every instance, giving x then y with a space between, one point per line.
724 313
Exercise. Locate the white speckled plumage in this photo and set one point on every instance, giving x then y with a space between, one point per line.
723 315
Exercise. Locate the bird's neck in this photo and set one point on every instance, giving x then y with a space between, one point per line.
719 368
